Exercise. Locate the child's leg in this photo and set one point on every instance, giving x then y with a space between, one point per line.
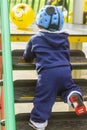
72 93
50 83
45 96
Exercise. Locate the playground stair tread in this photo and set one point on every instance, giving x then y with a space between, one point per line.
24 90
58 121
77 58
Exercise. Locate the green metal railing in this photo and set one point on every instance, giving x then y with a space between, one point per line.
7 67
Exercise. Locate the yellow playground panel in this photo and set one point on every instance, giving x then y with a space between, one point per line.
85 12
85 5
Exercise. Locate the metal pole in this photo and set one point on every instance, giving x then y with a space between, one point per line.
78 11
7 68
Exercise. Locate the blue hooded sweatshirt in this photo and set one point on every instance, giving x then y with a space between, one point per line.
49 50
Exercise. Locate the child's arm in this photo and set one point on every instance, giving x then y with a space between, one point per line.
28 54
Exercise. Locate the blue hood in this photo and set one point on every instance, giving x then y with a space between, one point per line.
54 39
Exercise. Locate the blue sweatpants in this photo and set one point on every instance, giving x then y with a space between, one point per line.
51 82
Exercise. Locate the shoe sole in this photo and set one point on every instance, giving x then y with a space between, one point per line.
30 124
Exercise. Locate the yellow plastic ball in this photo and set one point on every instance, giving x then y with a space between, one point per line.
22 15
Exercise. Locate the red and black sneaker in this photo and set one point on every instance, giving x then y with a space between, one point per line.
77 104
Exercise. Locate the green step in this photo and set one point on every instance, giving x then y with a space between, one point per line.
77 58
58 121
24 90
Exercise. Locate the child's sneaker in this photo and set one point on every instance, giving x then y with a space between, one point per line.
34 127
77 103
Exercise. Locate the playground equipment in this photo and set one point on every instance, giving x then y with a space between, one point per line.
22 91
22 15
67 17
85 12
80 12
36 5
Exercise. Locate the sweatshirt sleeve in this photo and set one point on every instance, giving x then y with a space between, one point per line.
28 54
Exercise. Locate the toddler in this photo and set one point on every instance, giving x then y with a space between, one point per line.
50 49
